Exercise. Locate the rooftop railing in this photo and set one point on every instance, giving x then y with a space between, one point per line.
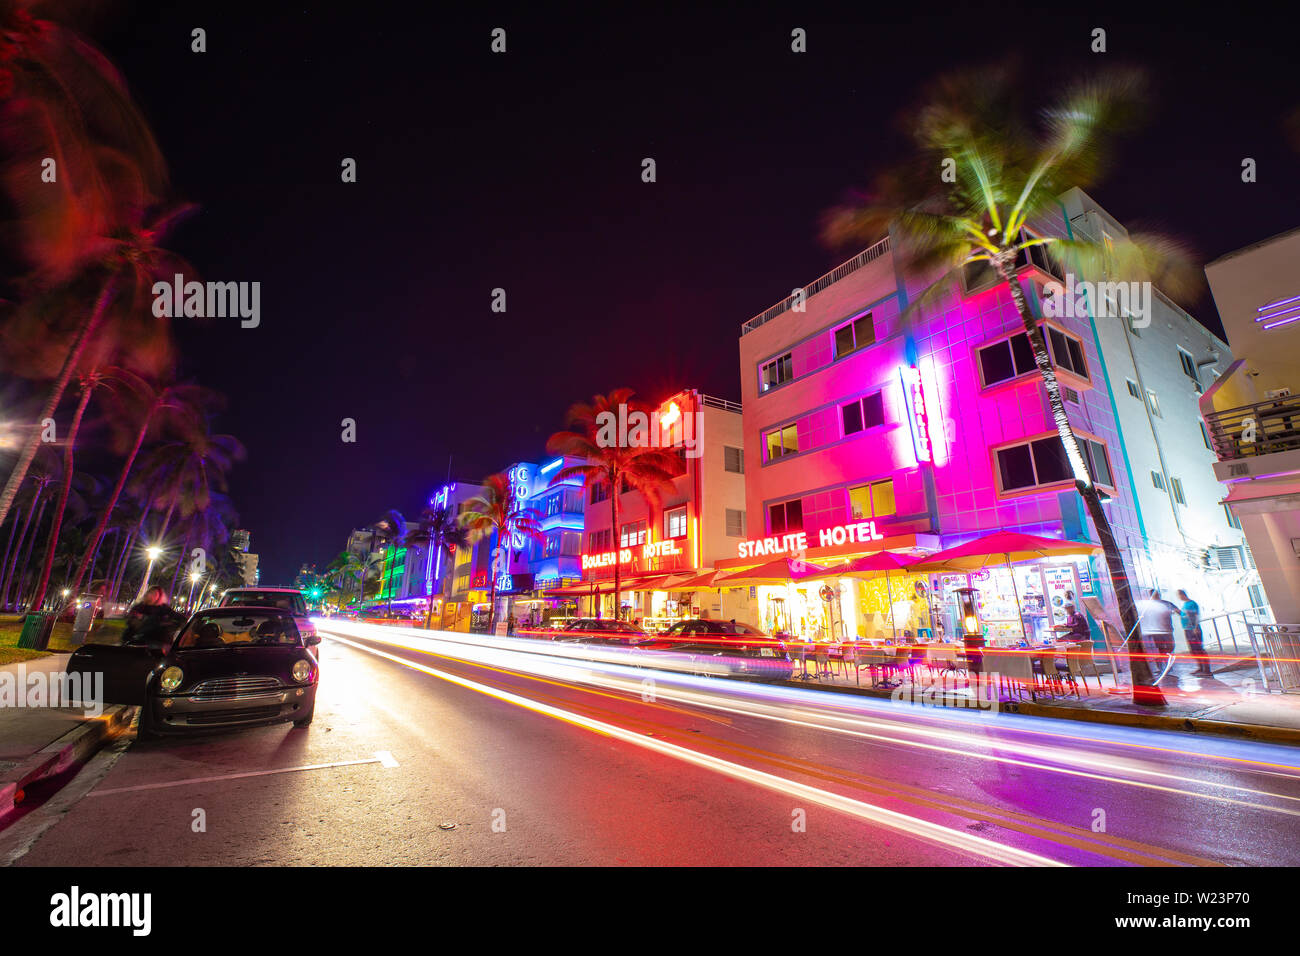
870 254
1263 428
721 403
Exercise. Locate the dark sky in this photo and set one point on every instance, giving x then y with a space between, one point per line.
522 171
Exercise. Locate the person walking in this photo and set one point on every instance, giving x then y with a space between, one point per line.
1190 613
1156 620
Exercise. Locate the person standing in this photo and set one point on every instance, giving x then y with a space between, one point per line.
152 621
1190 613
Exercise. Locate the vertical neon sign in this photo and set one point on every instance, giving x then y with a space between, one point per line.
914 399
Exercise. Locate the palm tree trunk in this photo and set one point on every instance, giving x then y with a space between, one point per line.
22 537
90 577
98 533
27 554
56 522
124 560
391 561
9 549
24 462
618 543
1144 691
180 562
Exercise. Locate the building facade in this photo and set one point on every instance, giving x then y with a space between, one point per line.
1252 410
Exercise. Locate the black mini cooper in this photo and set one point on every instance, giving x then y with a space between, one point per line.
227 667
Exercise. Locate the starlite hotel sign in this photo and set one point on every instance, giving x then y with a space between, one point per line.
857 532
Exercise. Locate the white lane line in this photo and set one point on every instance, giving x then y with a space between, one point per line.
381 757
892 819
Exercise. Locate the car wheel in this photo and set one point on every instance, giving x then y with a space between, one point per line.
147 729
305 720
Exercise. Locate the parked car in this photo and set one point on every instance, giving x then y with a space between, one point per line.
726 649
593 630
227 667
286 599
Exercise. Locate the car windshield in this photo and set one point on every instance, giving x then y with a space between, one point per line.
284 600
228 629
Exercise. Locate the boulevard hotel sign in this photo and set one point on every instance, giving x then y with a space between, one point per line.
795 542
655 549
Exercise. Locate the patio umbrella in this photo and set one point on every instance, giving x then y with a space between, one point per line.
873 566
1004 547
780 571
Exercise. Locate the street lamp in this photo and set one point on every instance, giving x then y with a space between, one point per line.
194 580
154 552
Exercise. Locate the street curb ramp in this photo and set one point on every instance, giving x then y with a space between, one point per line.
75 747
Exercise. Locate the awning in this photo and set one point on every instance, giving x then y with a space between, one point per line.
780 571
1004 547
910 541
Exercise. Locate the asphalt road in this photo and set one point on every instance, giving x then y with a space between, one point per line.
419 757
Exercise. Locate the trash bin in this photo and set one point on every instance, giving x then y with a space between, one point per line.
36 630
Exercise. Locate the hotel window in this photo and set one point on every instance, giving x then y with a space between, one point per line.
1158 480
1233 520
572 501
735 523
1006 360
776 372
1205 436
1038 256
781 442
873 500
552 505
675 523
599 492
1153 403
1189 366
1098 462
1067 351
1043 462
863 414
854 335
733 459
1176 489
552 544
570 543
600 541
1132 327
1133 388
785 517
633 534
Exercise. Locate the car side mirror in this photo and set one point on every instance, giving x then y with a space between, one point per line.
312 640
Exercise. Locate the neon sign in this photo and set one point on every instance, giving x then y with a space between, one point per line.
856 532
914 398
655 549
521 481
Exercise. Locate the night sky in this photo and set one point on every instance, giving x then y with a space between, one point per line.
522 171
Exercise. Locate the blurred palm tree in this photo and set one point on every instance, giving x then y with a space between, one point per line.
391 530
349 566
641 468
498 512
146 406
1002 174
40 482
438 531
207 528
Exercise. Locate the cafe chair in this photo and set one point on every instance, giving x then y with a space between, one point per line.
822 660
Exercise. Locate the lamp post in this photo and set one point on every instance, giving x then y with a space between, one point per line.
154 552
194 580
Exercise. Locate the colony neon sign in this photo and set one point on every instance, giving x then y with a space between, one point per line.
655 549
858 532
914 396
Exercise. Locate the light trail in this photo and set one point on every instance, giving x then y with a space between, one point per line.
892 819
703 693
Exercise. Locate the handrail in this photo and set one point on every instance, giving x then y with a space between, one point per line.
1273 426
870 254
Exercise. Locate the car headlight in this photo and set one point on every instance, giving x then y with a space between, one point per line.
301 671
171 678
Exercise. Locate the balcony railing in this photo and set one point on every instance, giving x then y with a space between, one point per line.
1264 428
869 254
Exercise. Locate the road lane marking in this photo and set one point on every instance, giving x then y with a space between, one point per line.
891 819
381 757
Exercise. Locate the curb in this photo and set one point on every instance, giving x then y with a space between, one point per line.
1199 725
74 747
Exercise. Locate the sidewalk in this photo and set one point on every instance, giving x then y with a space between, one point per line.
1231 703
43 741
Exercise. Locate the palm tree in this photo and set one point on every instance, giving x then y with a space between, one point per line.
641 468
1006 175
497 511
42 478
349 565
391 529
61 98
438 531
